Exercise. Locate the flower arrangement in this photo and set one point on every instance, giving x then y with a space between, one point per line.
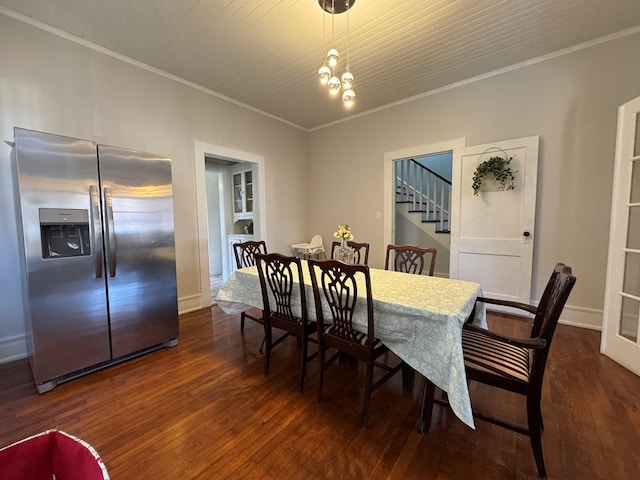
499 168
343 233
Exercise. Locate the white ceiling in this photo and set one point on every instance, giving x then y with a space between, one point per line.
265 53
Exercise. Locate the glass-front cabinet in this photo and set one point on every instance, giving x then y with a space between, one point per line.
242 181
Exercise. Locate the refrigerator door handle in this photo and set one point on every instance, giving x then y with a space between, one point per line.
110 234
96 229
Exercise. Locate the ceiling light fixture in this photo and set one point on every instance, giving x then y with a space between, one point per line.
327 73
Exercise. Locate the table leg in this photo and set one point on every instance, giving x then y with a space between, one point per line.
426 407
408 377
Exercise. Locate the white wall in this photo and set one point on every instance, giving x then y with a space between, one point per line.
440 163
570 101
52 84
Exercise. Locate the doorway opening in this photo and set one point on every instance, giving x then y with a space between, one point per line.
403 227
422 204
216 170
218 218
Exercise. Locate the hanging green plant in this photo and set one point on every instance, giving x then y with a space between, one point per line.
499 168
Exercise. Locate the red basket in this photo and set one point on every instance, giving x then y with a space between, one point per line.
49 455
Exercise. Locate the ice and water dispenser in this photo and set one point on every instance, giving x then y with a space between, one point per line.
64 232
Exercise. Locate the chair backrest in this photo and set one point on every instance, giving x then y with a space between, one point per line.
546 319
246 251
360 251
280 278
336 284
409 258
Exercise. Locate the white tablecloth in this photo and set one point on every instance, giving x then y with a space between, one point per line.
418 317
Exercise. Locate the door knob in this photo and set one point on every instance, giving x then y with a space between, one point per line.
526 233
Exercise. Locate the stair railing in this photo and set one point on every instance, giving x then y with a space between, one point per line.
425 191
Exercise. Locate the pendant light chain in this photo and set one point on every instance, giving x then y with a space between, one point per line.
324 38
348 96
333 38
348 35
324 73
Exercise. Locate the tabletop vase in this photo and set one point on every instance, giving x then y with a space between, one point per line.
344 252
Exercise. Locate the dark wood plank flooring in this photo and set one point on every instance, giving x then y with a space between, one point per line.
205 410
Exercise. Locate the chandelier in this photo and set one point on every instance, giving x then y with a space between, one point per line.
328 71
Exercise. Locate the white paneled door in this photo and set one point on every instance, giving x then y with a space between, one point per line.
492 233
622 298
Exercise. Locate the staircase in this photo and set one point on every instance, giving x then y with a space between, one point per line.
425 193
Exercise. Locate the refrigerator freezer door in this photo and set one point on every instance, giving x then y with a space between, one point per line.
67 299
139 248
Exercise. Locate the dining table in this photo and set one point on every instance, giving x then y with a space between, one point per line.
419 317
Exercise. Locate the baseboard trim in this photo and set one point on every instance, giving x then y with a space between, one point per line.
189 304
582 317
13 348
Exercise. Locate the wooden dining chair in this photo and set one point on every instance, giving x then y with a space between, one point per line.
360 251
244 253
282 286
410 259
513 364
336 285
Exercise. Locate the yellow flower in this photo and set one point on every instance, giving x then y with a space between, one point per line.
344 232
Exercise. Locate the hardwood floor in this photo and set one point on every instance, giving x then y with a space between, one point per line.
205 410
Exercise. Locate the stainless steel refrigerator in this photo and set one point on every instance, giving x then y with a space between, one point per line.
99 253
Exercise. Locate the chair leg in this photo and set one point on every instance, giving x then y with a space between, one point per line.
267 342
321 375
534 420
303 361
242 322
367 393
426 407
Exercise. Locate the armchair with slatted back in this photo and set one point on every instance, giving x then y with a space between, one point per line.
244 253
282 287
360 251
410 259
336 285
513 364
